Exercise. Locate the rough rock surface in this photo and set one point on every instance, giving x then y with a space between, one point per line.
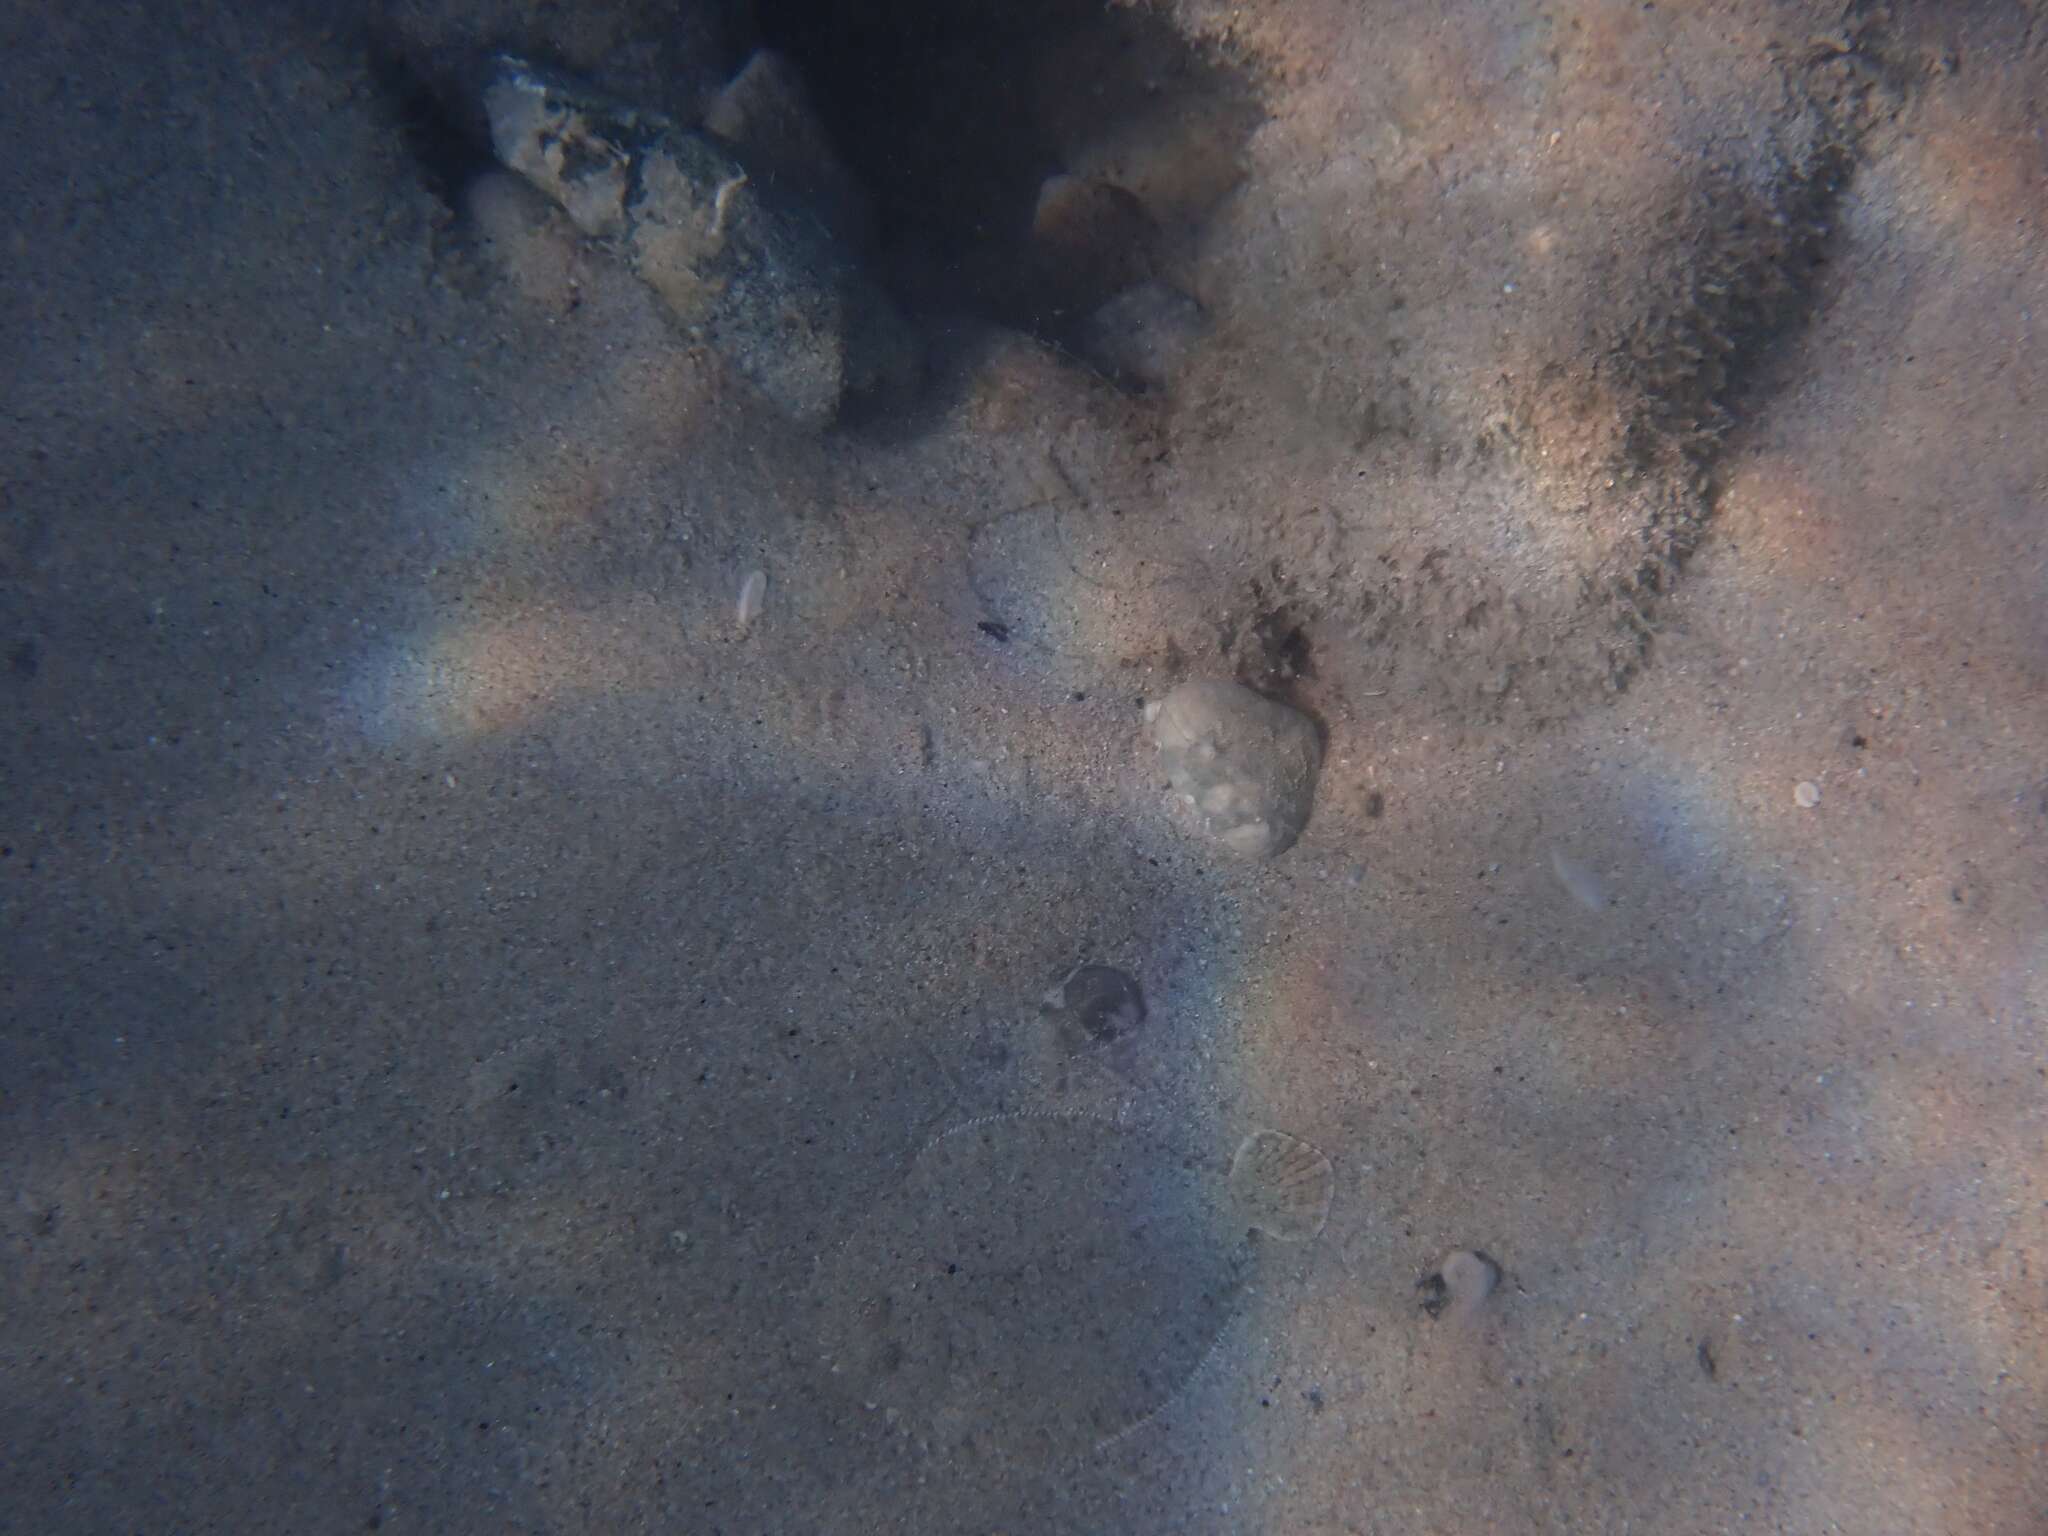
1143 335
754 273
766 115
1246 763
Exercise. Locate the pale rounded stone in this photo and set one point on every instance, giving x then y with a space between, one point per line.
1245 763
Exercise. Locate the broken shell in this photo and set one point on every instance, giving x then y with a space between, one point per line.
1282 1186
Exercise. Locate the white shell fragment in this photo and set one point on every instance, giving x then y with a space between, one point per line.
753 593
1806 794
1282 1186
1586 888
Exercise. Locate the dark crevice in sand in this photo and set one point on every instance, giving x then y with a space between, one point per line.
1027 163
449 151
1747 269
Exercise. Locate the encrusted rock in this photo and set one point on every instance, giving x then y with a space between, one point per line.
1246 764
752 271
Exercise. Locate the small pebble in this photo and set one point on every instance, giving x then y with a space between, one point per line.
1469 1277
1586 888
1806 794
1460 1285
